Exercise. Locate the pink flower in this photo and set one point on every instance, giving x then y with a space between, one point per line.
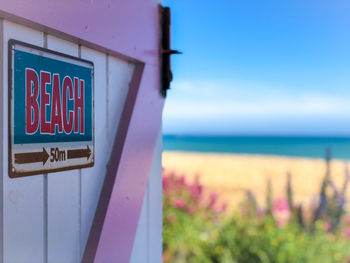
260 212
347 232
219 208
182 180
171 218
224 207
212 199
191 210
281 212
165 258
328 227
196 191
165 182
179 203
196 179
280 204
347 220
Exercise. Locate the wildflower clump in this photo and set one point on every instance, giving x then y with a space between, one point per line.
189 216
196 227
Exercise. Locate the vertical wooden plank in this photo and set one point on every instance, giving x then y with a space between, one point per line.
155 215
63 196
23 201
140 249
120 205
148 240
2 153
92 178
119 76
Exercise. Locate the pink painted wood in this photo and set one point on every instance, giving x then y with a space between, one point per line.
119 208
129 28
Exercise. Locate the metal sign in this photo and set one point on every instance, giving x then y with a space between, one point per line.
51 111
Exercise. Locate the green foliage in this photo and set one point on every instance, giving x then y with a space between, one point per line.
189 218
247 240
196 230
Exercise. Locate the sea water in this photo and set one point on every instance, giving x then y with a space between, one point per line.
312 147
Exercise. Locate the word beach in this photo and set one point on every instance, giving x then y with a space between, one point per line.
60 115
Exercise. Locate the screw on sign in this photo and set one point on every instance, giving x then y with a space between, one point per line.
51 114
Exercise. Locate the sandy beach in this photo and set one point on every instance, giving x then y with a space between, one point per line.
232 174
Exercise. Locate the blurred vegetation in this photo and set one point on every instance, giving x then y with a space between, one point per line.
196 227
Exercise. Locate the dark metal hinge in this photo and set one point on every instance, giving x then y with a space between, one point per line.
165 52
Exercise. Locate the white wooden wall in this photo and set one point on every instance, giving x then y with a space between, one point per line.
47 218
148 242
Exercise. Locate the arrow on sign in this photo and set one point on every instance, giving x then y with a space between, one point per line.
32 157
79 153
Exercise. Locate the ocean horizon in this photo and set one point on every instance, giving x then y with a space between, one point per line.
293 146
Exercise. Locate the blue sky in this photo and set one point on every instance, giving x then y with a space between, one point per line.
260 67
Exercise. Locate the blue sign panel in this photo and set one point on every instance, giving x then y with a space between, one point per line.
51 111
